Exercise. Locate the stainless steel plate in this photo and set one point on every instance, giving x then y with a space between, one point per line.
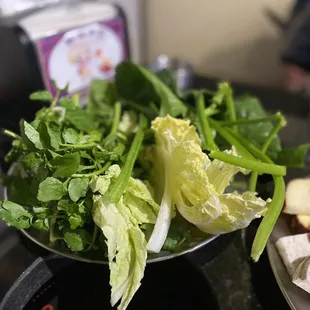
42 239
297 298
197 241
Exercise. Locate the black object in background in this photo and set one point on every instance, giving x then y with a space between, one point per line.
296 41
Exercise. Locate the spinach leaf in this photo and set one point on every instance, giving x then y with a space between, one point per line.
166 77
30 136
248 107
77 188
294 157
51 189
137 84
66 165
15 215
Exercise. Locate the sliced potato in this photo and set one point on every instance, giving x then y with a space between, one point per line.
302 224
298 197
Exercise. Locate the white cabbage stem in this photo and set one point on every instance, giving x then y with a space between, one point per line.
162 225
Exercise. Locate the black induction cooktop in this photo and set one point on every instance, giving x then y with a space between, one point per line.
218 276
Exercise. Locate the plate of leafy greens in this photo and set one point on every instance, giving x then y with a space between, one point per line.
143 172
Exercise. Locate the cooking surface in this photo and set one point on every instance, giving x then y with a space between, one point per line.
232 281
166 286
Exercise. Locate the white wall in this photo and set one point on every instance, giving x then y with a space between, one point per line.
231 39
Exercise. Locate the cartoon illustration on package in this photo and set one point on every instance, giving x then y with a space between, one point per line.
80 55
105 63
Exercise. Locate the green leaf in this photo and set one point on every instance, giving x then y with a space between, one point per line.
49 136
104 155
248 107
35 166
136 83
67 103
51 189
70 136
294 157
76 239
166 77
24 191
92 136
41 224
41 212
67 206
78 188
15 215
76 213
66 165
30 135
15 151
76 221
85 155
178 231
42 95
80 119
35 124
53 154
170 244
222 91
102 94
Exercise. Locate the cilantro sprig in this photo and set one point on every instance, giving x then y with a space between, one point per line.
58 153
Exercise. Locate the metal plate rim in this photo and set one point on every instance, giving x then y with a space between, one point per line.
296 298
105 262
102 262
